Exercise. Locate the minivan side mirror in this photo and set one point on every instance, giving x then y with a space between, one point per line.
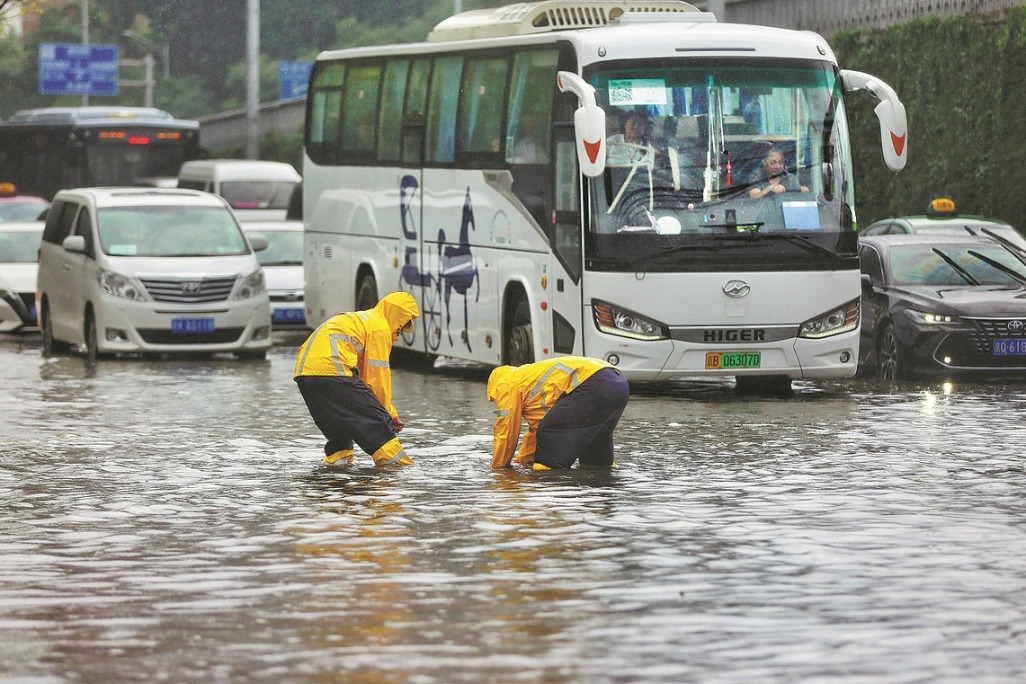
74 243
258 242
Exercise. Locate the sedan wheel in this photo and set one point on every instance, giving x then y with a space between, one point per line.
891 361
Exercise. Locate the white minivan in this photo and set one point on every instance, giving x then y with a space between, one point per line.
256 190
125 270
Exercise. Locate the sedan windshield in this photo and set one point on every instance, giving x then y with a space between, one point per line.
284 248
170 231
952 265
707 155
20 246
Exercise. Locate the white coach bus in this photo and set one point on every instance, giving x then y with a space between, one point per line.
575 177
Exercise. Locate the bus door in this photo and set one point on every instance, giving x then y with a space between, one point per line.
565 289
415 274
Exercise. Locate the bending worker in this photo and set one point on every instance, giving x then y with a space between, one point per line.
343 374
571 404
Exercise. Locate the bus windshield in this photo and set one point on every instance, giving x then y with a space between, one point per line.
706 155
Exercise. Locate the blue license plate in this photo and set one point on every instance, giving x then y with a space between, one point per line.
288 315
1016 347
188 326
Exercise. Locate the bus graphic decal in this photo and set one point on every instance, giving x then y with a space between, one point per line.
458 271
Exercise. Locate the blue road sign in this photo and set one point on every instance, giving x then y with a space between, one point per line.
77 69
293 78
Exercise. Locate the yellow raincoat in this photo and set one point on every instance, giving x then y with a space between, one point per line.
528 392
359 343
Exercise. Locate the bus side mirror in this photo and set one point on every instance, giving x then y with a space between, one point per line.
890 112
589 124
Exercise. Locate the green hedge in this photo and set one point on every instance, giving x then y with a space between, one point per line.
963 82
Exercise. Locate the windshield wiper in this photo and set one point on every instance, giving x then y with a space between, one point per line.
670 252
966 275
1011 272
805 243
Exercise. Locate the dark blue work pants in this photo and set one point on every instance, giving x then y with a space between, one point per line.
346 410
580 425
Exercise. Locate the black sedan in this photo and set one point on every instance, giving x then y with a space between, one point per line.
942 305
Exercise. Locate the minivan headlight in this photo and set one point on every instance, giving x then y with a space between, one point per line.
117 285
831 323
251 285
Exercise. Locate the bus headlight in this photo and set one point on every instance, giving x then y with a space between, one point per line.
251 285
616 321
117 285
833 322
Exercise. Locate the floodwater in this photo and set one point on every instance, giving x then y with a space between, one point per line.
170 521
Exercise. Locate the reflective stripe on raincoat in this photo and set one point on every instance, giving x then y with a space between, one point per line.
359 343
528 392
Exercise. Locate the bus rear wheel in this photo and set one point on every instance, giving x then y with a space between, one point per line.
366 293
520 336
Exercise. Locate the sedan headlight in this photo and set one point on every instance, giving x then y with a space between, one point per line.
616 321
117 285
832 323
251 285
929 319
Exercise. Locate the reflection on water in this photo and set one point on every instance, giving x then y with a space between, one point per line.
171 520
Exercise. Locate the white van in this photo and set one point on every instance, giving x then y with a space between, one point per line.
256 190
149 270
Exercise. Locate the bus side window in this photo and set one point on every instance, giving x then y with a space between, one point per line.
441 117
413 113
532 87
360 111
391 115
325 110
481 98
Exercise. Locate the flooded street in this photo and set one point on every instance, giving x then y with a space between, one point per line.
171 521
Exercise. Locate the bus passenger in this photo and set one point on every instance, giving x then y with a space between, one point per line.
777 178
343 374
572 405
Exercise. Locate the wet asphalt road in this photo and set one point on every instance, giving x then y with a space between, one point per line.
171 521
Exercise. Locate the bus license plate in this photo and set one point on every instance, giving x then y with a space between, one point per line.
723 360
188 326
1016 347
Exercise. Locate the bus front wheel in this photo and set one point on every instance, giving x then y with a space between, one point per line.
520 337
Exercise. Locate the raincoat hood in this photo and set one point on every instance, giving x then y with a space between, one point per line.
503 375
398 308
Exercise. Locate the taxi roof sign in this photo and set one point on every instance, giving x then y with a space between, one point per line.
942 207
8 190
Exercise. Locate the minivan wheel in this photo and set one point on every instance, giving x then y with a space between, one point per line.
91 343
51 346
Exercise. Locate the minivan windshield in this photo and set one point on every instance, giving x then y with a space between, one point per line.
170 231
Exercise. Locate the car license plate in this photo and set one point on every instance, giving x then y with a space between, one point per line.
722 360
1016 347
188 326
288 315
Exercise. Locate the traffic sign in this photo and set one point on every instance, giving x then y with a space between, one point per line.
293 78
78 69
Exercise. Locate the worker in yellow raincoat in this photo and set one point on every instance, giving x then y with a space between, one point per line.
572 405
343 374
